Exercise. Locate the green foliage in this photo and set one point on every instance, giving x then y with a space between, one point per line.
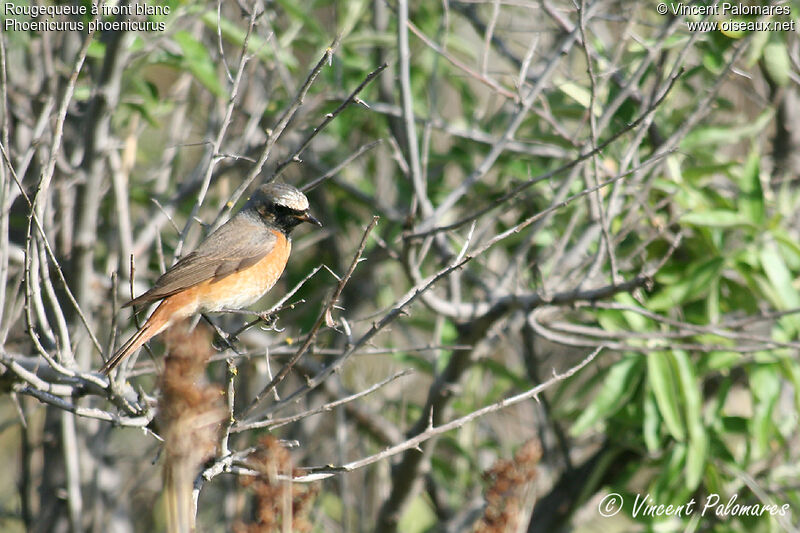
736 257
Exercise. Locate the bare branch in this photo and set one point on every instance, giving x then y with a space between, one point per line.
324 472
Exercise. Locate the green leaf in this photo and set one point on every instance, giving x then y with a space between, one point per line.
349 17
579 93
693 410
651 423
692 285
734 424
414 360
765 383
637 321
714 135
197 59
503 372
619 384
776 62
758 41
721 360
236 34
751 201
716 218
418 516
670 470
779 277
788 247
717 448
689 387
713 311
301 13
792 373
661 377
706 170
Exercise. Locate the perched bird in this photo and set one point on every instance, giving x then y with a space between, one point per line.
232 268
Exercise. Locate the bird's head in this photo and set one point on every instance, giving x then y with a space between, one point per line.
282 205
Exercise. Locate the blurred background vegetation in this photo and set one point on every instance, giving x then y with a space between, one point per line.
551 177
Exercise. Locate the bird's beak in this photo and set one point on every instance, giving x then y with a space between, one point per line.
306 217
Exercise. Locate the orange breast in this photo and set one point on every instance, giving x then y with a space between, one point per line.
239 289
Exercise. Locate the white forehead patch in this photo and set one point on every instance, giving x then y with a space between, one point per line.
285 195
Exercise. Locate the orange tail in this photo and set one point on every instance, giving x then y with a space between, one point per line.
152 327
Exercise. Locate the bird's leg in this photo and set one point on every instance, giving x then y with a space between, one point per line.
264 316
226 338
268 317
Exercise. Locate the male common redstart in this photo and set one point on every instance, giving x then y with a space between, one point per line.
232 268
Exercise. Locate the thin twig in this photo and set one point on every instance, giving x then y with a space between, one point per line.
407 100
461 65
277 131
324 472
278 422
328 118
223 129
320 320
335 170
524 185
51 254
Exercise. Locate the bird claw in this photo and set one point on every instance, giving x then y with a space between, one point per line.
269 319
222 343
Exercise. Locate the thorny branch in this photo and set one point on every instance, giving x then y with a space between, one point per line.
324 316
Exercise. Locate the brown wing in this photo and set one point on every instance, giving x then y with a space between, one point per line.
223 252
